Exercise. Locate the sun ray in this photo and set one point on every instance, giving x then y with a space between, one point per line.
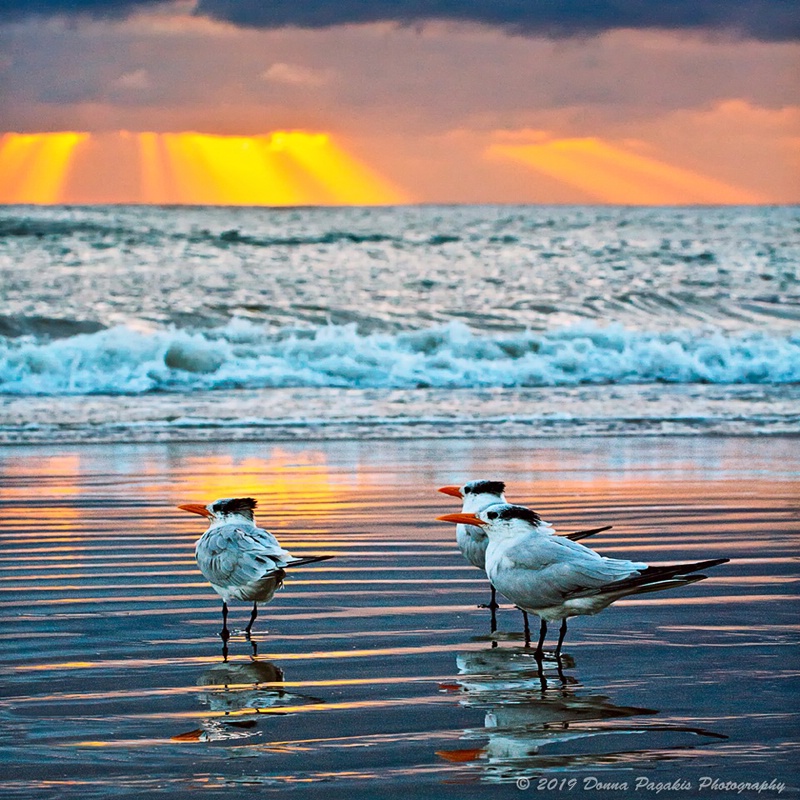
278 169
17 153
153 172
188 174
550 159
347 179
614 175
245 171
38 164
680 185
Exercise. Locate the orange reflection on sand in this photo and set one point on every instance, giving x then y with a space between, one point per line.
53 477
612 174
311 655
287 485
346 705
57 475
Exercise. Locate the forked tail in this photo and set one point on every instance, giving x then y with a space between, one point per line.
299 562
653 579
578 535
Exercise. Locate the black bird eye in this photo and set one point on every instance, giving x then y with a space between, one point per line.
492 515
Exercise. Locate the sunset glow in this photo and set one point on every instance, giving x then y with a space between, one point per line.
611 174
277 169
288 168
34 167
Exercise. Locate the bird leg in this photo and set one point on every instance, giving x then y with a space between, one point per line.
527 627
562 677
561 634
225 633
540 646
252 619
492 606
542 677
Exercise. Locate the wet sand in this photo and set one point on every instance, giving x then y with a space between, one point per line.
374 674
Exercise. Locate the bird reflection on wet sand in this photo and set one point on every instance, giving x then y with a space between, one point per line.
238 695
537 717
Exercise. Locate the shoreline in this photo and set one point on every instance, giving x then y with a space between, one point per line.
247 437
331 414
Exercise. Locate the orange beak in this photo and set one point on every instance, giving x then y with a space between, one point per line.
191 736
460 756
463 519
196 508
453 491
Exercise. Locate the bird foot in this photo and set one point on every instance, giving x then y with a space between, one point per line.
550 655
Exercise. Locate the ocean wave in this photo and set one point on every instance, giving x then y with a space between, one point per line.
241 354
135 231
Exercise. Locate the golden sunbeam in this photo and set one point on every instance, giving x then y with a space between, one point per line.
17 153
614 175
349 181
277 169
153 169
34 167
246 172
188 175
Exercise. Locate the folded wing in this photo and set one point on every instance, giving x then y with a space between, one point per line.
546 570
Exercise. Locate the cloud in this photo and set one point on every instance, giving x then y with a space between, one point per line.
136 79
97 9
380 80
767 20
296 75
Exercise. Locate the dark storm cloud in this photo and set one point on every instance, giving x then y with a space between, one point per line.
99 9
768 20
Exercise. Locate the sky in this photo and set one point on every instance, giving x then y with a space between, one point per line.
401 101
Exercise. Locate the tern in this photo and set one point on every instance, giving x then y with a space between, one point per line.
240 560
557 578
472 540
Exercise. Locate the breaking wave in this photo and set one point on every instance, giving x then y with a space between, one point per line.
120 360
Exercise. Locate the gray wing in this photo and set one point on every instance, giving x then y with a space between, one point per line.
550 569
235 555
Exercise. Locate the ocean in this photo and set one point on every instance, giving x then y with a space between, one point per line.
141 323
629 367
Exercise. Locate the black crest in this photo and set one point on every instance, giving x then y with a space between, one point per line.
236 505
484 487
519 512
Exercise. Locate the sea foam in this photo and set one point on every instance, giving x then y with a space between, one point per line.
241 354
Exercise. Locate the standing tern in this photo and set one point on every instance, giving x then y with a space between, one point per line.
556 578
472 540
240 560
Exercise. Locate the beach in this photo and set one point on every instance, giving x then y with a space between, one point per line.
632 367
373 674
358 267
